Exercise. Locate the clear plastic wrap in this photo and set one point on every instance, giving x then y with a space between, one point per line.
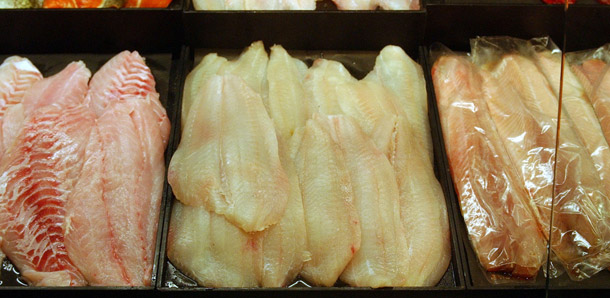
495 204
524 107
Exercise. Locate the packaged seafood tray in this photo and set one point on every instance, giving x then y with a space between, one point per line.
103 29
453 24
358 63
166 70
326 28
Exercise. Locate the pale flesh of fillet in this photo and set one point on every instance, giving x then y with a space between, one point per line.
284 245
328 201
16 76
216 253
285 101
114 209
255 4
579 109
580 232
422 201
39 170
589 73
402 76
320 83
228 160
208 248
381 259
209 65
496 207
600 99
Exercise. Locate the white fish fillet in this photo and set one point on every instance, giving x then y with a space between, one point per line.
228 159
321 81
381 259
286 102
373 4
328 201
205 246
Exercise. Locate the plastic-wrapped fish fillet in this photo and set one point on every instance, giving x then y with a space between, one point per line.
496 207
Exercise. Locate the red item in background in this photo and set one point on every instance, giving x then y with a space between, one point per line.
83 3
607 2
562 1
148 3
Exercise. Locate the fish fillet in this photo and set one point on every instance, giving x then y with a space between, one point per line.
205 246
284 245
496 207
320 83
216 253
227 159
16 76
39 171
600 99
328 201
381 259
209 66
251 66
254 4
589 73
123 177
286 102
577 239
397 72
579 109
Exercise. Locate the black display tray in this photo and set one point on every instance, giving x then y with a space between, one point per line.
166 69
359 63
29 31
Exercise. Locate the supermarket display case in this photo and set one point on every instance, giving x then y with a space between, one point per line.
174 39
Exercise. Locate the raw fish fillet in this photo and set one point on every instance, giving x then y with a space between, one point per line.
398 73
209 66
254 4
284 245
228 159
218 254
524 109
381 260
320 83
600 99
17 75
589 73
286 102
328 201
496 207
373 4
579 110
39 171
208 248
122 177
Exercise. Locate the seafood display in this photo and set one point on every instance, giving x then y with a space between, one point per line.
560 162
304 4
84 3
284 170
83 170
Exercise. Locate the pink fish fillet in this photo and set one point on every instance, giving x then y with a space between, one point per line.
115 207
39 170
495 205
16 76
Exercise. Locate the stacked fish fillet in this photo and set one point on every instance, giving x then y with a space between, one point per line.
82 172
500 125
303 4
284 170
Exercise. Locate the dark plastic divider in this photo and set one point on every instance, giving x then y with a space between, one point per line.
170 279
